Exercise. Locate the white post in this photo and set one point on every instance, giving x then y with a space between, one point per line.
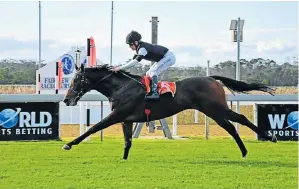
207 127
206 117
38 82
81 107
174 125
196 116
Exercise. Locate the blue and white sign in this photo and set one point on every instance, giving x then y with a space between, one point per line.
279 119
48 72
292 120
68 64
9 118
29 121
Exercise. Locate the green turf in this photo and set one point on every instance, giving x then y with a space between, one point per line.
192 163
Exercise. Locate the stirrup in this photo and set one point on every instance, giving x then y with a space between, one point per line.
152 96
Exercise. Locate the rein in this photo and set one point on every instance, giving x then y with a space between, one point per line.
122 74
103 78
80 93
133 79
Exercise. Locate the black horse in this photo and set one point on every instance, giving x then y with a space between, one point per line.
126 94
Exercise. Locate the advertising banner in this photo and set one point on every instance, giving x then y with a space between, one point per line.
278 119
29 121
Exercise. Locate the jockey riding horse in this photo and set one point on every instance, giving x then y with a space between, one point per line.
162 57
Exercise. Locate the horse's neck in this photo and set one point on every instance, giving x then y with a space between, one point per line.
105 89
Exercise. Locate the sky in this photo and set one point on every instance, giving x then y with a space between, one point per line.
196 31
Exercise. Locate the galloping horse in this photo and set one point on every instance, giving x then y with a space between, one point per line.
126 93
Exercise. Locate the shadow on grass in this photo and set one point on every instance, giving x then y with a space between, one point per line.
245 163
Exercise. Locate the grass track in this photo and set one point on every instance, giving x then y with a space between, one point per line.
193 163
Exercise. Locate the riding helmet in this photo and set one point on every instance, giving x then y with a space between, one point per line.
132 37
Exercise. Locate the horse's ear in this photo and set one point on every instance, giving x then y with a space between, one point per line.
76 67
82 67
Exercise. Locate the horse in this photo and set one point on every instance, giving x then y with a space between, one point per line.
126 93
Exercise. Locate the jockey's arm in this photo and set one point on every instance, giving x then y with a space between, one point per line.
136 59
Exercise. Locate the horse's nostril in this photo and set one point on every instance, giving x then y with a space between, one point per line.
65 100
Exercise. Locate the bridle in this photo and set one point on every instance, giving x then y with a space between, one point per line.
85 81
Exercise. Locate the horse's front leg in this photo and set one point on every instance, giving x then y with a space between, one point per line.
128 131
113 118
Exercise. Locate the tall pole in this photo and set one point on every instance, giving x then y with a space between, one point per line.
238 47
206 117
111 38
40 35
238 65
154 22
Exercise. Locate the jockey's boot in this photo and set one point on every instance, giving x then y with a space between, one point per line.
154 88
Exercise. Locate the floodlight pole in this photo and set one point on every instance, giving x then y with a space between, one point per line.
39 35
154 22
238 47
237 31
238 66
111 35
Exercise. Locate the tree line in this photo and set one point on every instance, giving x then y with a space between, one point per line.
254 70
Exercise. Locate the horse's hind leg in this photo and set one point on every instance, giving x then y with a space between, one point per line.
225 124
235 117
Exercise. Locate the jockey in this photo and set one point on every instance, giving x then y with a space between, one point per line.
162 57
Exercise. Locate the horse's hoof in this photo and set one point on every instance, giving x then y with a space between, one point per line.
66 147
244 154
274 138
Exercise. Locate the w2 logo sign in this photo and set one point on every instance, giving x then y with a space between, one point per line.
29 121
279 119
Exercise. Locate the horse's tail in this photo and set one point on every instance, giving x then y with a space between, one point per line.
240 86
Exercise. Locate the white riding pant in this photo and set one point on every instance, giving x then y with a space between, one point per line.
157 68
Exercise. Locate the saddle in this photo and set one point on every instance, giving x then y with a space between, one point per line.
163 86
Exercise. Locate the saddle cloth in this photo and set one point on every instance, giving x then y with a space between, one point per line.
163 86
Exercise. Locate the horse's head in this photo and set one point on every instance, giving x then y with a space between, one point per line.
99 78
80 85
86 79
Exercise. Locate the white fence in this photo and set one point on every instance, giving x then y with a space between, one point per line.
73 115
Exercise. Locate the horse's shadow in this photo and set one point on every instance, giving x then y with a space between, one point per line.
252 163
